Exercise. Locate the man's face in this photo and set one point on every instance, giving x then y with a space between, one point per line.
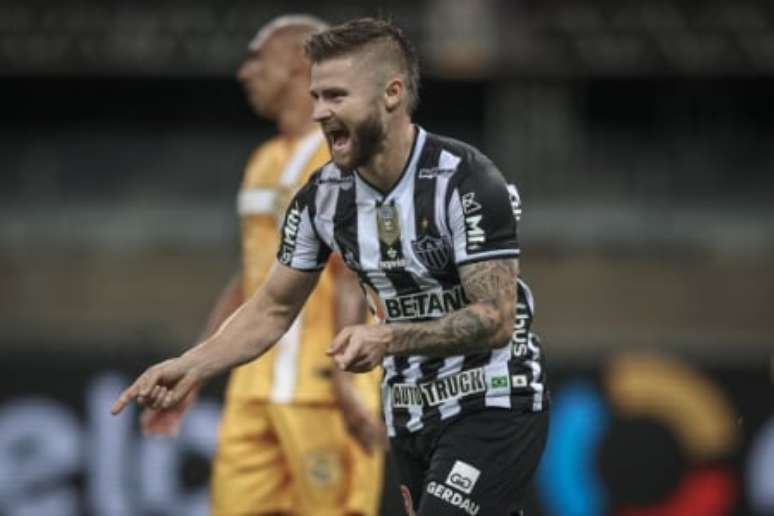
265 74
347 104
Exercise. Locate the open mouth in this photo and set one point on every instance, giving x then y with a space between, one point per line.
339 138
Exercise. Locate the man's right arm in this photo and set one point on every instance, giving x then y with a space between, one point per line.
248 333
167 422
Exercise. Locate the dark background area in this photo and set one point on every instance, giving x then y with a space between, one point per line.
640 137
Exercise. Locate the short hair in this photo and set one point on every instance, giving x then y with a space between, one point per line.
306 23
358 34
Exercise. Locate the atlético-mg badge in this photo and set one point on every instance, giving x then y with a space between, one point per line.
433 252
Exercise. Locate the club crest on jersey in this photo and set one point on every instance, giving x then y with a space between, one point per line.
433 252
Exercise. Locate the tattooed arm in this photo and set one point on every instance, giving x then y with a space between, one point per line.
486 323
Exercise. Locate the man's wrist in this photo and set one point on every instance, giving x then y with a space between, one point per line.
389 338
194 362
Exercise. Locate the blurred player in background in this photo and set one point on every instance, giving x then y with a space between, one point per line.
283 445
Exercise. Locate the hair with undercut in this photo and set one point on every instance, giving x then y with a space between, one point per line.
363 33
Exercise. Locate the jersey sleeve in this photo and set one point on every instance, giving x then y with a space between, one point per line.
483 213
300 247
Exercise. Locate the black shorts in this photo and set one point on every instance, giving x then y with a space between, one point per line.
478 464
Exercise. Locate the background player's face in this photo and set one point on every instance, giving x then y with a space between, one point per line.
347 106
266 72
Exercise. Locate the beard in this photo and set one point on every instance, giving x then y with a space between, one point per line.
367 141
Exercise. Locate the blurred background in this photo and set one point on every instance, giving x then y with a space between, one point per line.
640 134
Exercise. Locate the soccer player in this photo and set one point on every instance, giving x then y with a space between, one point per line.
430 227
283 446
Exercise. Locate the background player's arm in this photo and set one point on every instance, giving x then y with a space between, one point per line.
228 301
167 422
245 335
364 427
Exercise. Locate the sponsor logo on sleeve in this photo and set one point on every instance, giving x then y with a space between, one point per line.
474 235
513 193
469 203
520 335
290 229
289 234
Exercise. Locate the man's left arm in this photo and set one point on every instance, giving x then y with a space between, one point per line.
485 324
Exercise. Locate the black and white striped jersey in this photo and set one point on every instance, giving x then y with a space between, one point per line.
450 207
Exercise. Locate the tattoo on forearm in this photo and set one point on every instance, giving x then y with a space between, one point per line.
485 323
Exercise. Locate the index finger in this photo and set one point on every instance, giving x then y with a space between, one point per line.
128 395
141 387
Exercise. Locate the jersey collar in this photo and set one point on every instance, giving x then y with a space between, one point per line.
408 170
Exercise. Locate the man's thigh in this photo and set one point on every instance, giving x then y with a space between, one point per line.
482 464
366 477
330 477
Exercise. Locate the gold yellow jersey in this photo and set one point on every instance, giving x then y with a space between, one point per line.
296 369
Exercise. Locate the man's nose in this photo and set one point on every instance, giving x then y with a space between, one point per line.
321 111
245 71
241 74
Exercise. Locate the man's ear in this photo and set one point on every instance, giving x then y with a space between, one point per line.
394 93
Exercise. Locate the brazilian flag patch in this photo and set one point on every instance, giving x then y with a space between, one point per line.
499 382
